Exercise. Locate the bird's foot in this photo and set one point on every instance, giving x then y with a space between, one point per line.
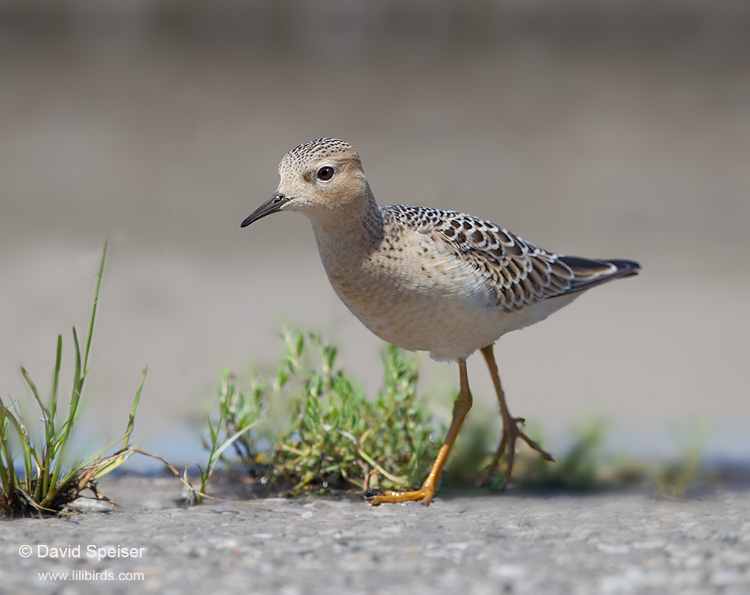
511 433
424 495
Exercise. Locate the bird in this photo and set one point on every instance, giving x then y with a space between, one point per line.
427 279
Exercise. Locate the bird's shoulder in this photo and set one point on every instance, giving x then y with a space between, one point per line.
517 272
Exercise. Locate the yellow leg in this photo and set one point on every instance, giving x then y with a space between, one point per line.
427 491
510 427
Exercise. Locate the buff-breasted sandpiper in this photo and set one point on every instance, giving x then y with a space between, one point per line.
427 279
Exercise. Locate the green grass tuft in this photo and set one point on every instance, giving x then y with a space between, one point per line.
336 437
47 482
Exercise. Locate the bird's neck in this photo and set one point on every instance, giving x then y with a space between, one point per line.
350 231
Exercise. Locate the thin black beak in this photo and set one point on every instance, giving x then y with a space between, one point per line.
272 205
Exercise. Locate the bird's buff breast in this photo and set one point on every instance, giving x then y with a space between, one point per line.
417 304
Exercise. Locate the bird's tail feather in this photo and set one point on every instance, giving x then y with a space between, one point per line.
588 272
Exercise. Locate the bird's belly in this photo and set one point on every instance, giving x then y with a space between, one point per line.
450 330
447 323
447 331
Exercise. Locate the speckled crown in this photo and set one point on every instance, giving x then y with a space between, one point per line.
313 151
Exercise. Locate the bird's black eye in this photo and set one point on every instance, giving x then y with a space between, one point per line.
325 173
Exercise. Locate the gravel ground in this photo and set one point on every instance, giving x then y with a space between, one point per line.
470 543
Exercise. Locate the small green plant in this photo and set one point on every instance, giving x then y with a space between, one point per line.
237 415
678 477
336 437
47 482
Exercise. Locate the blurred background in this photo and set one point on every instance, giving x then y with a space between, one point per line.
601 129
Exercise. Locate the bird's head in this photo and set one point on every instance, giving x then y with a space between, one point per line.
320 178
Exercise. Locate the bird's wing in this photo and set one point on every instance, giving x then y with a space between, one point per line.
517 272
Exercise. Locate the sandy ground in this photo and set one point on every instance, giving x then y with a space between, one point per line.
480 544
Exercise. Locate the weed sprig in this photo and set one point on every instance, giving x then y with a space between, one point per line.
337 438
48 482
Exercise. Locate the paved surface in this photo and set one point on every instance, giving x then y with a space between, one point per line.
610 544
